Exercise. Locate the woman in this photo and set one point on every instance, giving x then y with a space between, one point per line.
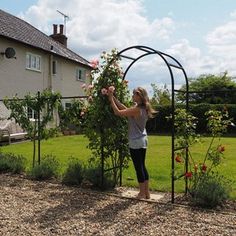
137 118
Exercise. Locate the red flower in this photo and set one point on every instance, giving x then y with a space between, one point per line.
188 174
221 148
178 159
204 167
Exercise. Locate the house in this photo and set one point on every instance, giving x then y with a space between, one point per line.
32 61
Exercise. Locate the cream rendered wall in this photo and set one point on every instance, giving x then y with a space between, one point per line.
71 86
15 78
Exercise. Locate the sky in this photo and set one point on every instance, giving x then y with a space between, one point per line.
200 34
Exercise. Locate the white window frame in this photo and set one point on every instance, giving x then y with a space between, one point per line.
80 74
31 114
33 62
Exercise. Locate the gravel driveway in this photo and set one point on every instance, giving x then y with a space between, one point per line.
49 208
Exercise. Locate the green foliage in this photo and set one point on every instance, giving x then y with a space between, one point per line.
160 96
13 163
211 190
107 133
213 89
94 175
74 173
47 169
201 175
70 117
160 123
43 104
158 158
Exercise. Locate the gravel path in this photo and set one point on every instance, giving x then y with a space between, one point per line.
47 208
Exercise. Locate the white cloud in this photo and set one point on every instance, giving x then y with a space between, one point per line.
222 45
93 28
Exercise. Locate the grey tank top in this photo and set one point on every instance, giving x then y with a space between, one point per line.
136 126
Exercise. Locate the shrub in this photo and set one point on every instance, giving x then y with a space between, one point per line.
10 162
47 169
205 186
94 175
212 190
74 173
100 122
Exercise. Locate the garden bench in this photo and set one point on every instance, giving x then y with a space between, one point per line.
11 131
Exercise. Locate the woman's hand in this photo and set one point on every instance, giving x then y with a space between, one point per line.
110 92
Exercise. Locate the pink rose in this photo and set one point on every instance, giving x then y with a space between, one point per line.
90 86
104 91
94 63
111 89
83 86
90 99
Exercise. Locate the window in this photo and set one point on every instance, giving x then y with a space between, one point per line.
33 62
54 67
80 74
67 105
32 114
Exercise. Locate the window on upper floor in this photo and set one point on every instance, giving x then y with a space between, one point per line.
80 74
54 67
33 62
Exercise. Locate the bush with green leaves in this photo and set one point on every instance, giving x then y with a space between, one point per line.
107 133
211 190
93 174
47 169
205 186
74 173
70 117
13 163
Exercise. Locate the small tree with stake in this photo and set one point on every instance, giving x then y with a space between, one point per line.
43 104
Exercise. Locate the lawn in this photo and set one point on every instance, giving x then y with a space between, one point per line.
158 158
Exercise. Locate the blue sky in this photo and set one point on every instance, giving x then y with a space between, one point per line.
201 34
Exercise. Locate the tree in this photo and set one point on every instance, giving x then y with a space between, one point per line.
160 96
215 89
43 104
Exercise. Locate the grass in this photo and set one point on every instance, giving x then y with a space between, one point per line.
158 158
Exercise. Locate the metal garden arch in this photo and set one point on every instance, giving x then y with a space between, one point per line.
170 62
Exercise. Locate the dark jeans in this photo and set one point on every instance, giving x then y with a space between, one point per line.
138 158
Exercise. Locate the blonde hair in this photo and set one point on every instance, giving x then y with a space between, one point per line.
145 101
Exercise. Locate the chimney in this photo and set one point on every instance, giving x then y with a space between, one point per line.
54 29
59 37
61 29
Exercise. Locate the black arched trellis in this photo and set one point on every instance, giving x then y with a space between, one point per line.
170 62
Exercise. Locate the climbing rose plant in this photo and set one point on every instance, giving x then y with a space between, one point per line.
107 133
206 186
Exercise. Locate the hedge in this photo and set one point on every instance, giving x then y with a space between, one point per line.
161 124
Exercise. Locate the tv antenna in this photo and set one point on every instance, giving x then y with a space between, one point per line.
65 18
